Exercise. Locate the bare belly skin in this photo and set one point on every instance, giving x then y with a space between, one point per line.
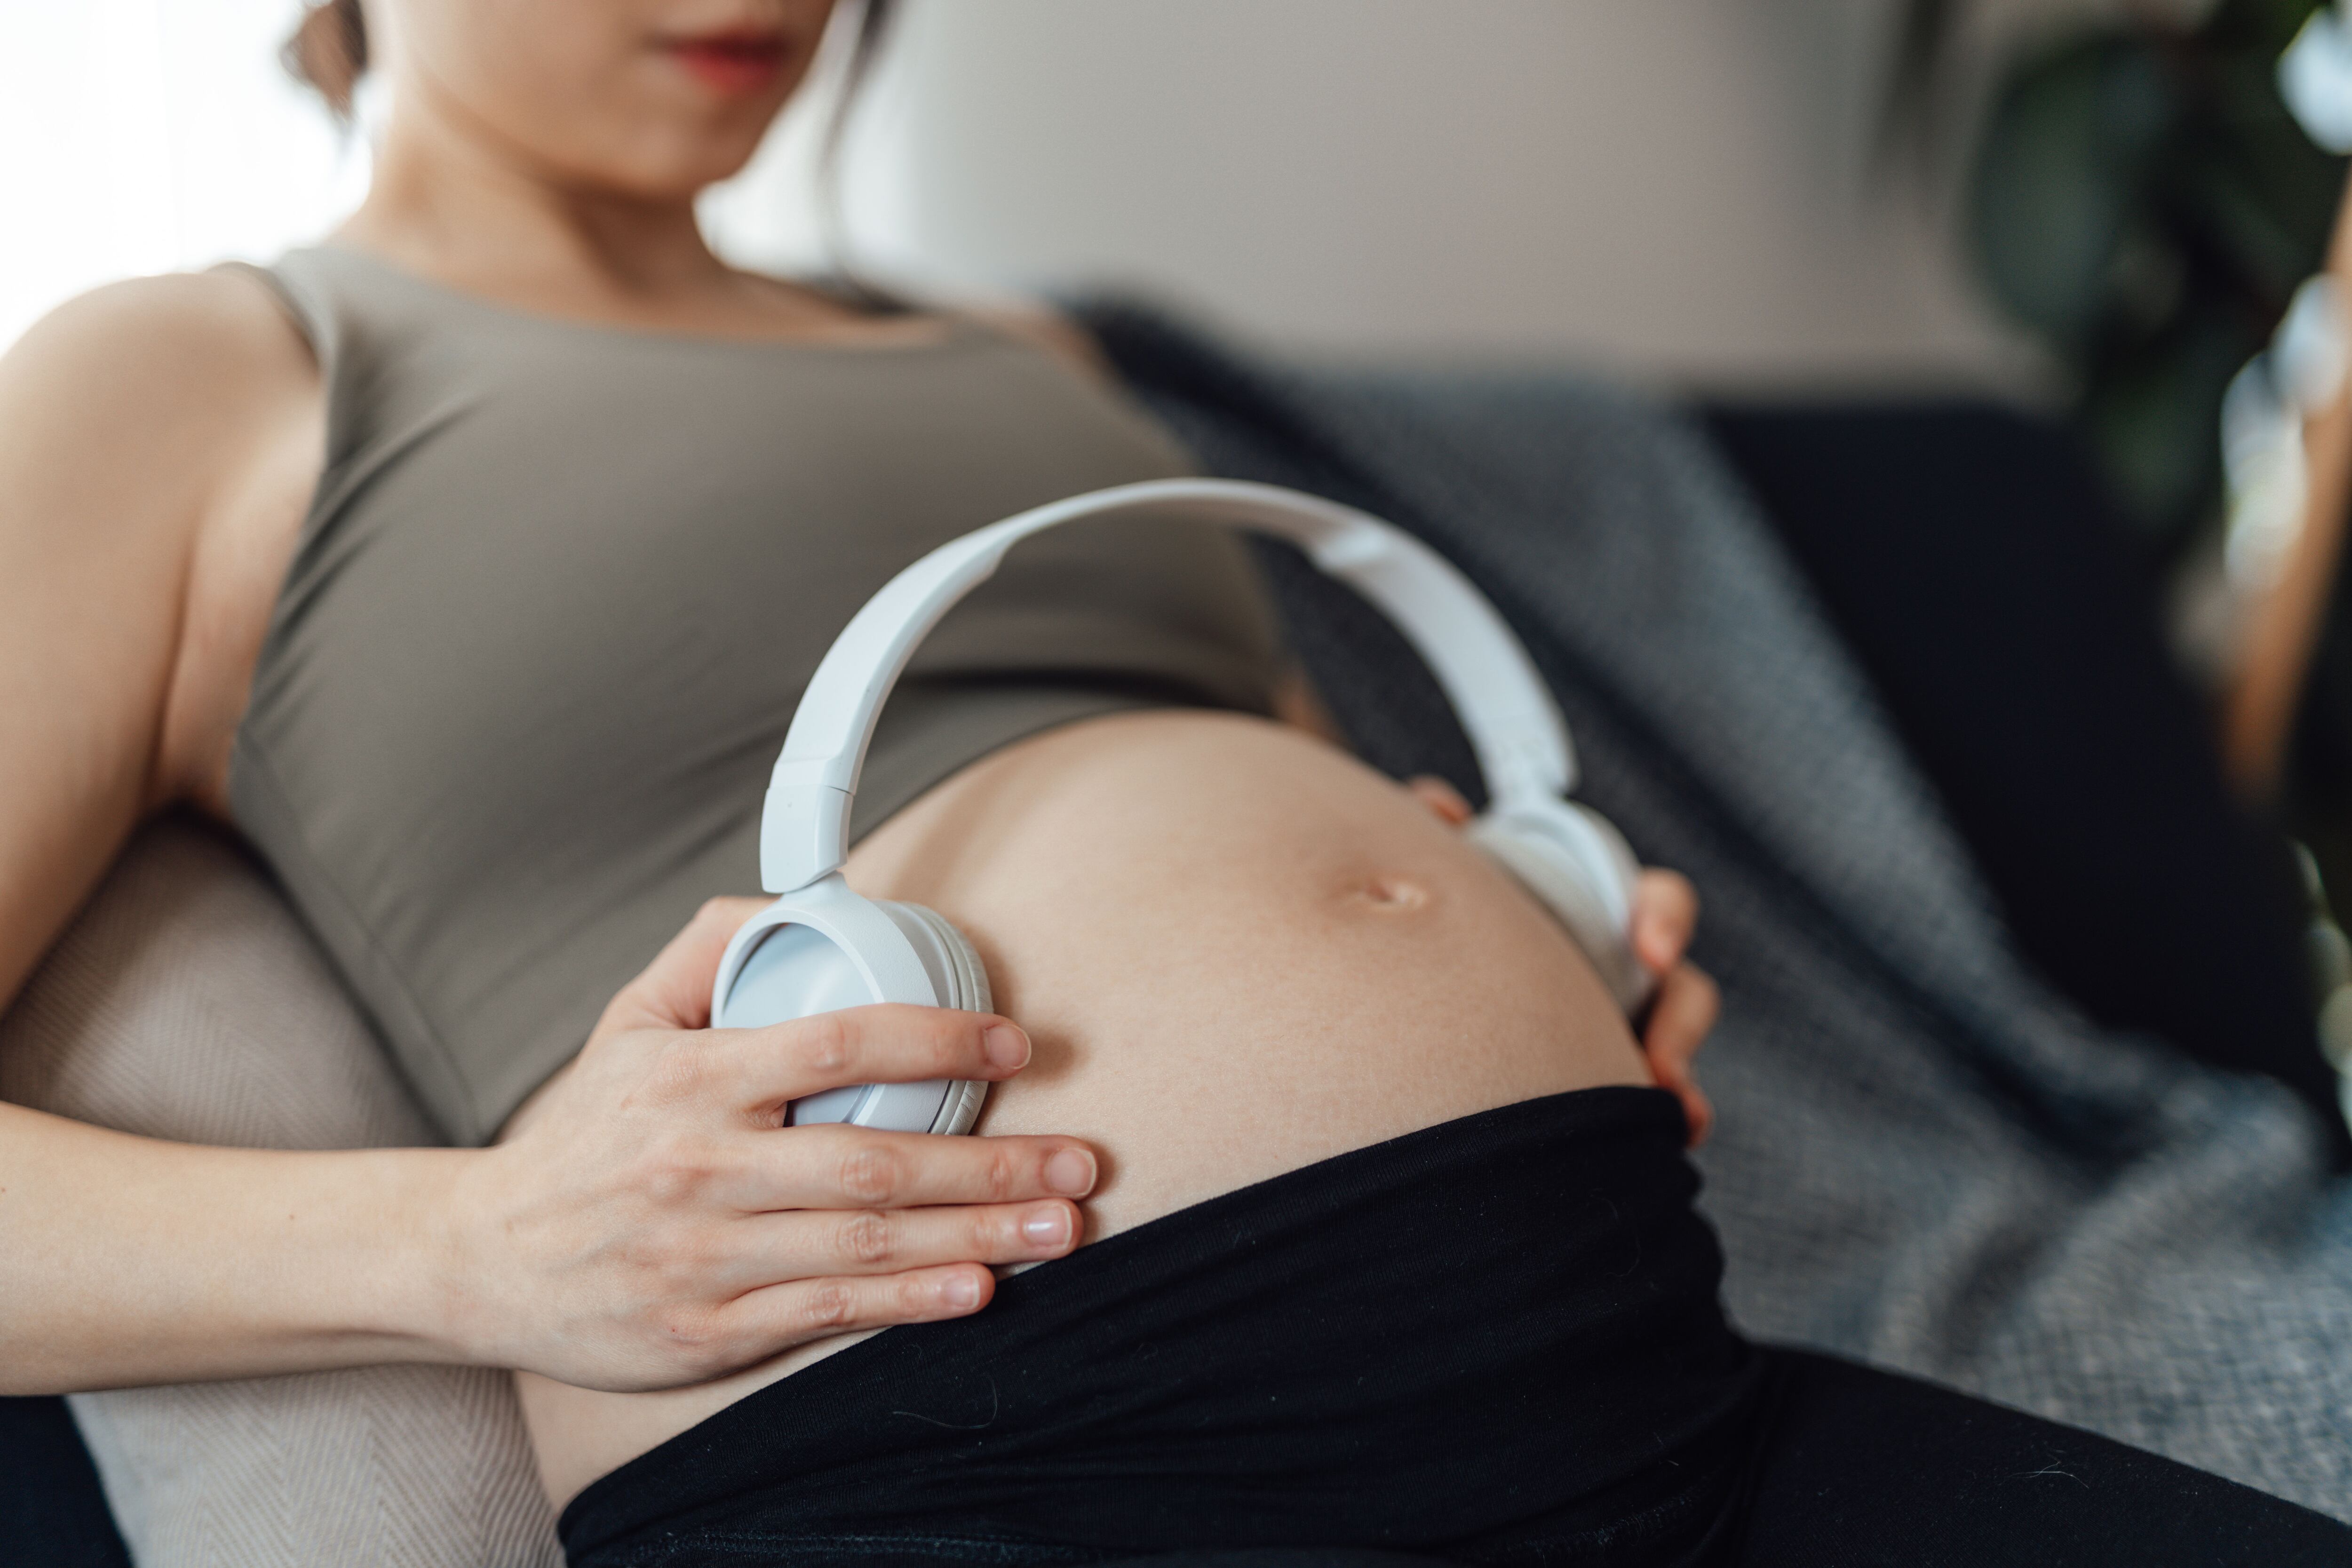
1237 950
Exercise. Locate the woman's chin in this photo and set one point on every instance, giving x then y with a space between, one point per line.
662 155
662 174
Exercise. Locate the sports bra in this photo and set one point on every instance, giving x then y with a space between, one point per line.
557 595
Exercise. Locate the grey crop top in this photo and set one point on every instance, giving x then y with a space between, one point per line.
557 596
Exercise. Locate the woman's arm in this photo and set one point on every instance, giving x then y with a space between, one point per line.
644 1236
122 418
648 1227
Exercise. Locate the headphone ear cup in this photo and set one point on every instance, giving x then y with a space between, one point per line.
960 980
824 948
1580 870
956 971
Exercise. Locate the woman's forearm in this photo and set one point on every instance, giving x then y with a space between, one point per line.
648 1223
130 1260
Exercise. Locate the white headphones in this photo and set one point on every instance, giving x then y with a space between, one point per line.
821 947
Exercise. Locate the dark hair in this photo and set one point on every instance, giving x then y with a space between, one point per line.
329 53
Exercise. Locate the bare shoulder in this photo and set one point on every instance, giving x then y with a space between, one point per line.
127 413
147 431
205 346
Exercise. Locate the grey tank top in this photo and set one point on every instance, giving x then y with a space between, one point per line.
559 592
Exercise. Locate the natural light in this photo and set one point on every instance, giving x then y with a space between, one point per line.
153 135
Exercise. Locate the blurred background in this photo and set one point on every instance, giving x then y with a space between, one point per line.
2098 209
1682 188
1782 193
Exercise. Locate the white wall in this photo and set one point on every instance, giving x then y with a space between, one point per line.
1683 187
160 135
1679 186
148 135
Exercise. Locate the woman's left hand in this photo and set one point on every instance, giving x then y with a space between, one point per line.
1683 1009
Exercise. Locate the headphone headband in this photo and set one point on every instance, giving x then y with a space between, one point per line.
1514 727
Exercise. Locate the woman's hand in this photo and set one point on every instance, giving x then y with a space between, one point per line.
1682 1012
648 1222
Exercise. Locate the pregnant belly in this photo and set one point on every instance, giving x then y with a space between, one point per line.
1236 950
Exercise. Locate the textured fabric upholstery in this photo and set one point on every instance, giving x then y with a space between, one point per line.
186 1003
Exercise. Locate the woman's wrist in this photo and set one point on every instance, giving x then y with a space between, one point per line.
462 1302
134 1260
415 1267
363 1269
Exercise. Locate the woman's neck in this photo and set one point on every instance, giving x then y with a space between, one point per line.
456 206
454 203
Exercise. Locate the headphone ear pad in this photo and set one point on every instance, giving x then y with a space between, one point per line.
961 982
956 971
1564 865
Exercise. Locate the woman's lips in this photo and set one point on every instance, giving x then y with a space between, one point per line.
733 62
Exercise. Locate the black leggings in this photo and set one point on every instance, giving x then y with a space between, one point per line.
1494 1340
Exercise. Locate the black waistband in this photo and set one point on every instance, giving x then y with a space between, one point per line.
1497 1337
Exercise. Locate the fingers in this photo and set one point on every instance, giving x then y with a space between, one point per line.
839 1167
815 1244
760 1323
674 991
1680 1020
1665 914
1443 799
888 1043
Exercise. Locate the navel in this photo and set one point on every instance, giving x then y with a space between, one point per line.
1391 893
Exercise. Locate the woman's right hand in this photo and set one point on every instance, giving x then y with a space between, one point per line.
648 1222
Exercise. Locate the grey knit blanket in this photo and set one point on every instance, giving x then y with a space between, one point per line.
1926 1159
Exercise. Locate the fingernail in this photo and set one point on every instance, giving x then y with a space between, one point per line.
1071 1171
962 1293
1005 1045
1046 1227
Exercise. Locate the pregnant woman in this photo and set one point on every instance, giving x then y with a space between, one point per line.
471 565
